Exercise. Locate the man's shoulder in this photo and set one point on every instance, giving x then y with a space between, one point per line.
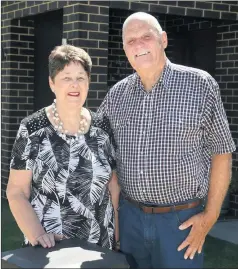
122 85
190 72
194 78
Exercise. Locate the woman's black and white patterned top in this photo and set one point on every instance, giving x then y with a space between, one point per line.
69 185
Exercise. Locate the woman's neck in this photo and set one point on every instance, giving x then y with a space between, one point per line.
69 116
74 120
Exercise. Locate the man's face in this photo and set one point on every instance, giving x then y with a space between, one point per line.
143 45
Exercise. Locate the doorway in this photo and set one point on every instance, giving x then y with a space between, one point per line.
196 49
48 34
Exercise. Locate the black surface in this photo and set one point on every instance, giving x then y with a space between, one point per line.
72 253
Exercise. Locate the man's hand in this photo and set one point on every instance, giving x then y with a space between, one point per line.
47 240
201 225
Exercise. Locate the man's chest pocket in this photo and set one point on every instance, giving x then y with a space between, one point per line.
122 130
182 126
120 123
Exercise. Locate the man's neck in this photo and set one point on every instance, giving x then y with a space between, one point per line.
150 77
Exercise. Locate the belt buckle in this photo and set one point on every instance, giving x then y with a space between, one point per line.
142 207
151 209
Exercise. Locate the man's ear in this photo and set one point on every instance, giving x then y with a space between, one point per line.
51 83
164 39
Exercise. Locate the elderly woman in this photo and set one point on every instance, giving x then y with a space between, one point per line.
61 164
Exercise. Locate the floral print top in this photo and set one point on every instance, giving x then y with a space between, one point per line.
69 190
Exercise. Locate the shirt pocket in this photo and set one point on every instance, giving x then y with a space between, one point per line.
120 125
184 123
120 122
181 132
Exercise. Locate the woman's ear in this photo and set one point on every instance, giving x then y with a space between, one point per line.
51 83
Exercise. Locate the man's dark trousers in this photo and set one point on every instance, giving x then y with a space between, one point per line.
153 239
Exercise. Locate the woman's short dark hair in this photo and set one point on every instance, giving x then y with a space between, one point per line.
64 55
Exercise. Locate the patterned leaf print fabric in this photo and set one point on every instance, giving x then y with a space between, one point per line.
69 185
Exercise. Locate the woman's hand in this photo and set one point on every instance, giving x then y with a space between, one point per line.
18 194
117 246
47 240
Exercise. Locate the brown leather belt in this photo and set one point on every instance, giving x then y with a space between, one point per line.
162 209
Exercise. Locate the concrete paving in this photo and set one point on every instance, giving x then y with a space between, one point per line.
226 230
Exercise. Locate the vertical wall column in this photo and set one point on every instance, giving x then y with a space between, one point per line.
87 26
17 84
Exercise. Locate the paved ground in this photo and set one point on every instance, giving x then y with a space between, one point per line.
226 230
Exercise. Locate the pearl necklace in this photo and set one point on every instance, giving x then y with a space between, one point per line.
58 126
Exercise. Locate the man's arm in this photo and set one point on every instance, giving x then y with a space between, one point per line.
202 223
219 182
219 142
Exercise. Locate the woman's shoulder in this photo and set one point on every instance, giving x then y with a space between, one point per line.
36 121
100 122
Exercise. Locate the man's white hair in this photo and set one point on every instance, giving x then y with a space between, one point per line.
143 16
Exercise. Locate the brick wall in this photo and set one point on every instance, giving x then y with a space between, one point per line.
90 24
227 76
234 204
118 66
17 83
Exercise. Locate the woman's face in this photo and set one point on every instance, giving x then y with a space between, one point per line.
70 85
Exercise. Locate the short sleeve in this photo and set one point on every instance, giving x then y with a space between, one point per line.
22 150
101 119
217 132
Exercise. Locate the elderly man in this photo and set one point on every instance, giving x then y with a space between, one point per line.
173 149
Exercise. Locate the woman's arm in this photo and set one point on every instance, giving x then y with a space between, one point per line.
114 190
18 194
